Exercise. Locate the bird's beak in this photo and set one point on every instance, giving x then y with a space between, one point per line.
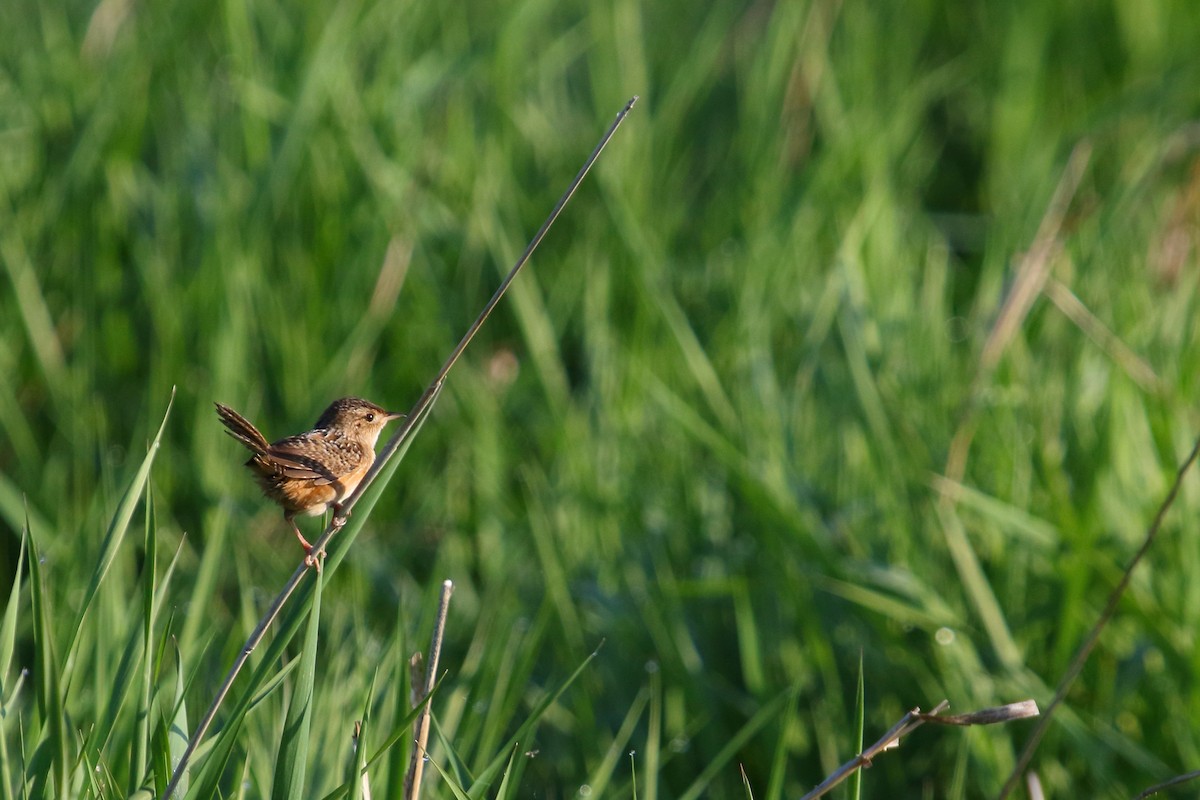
395 415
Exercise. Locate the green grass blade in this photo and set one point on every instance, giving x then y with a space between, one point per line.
15 507
247 705
402 731
120 524
504 791
177 734
654 735
107 720
357 776
452 760
206 582
860 716
220 747
401 686
10 692
725 755
488 774
141 734
749 649
53 753
779 762
292 759
602 774
448 779
208 781
8 629
160 756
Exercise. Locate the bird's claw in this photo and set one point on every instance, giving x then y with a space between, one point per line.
314 559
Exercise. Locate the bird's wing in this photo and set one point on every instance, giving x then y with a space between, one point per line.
291 458
295 460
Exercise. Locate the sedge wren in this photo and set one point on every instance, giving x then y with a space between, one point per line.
309 472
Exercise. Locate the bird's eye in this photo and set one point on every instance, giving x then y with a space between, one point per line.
370 418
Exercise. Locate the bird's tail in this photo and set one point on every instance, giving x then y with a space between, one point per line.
242 429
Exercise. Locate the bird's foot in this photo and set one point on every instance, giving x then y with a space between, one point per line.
314 559
311 559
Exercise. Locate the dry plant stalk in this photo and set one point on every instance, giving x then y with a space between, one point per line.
416 762
913 720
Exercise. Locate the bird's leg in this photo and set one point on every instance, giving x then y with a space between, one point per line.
311 559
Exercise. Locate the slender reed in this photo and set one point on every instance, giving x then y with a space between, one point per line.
410 424
416 762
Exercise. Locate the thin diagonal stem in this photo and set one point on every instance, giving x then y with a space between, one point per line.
253 642
907 724
407 427
422 404
416 762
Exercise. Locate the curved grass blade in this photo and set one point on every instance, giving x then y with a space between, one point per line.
598 780
8 630
504 792
488 774
8 635
222 745
780 759
52 758
764 715
359 761
292 761
453 784
403 730
860 715
119 525
177 732
274 683
453 760
141 734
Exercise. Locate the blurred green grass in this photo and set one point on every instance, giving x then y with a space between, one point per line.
705 427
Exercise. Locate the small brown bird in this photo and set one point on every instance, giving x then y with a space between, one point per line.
309 472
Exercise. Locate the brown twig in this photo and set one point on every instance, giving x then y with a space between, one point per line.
907 724
913 720
416 762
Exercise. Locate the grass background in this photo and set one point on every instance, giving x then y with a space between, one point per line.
707 426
